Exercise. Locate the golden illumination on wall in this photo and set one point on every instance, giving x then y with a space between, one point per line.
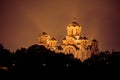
73 43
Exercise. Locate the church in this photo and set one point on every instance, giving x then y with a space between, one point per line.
73 43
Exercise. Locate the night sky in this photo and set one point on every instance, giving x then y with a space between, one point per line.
22 21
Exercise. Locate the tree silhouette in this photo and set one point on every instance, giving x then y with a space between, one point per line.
36 62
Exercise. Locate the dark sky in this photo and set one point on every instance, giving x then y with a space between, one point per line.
22 21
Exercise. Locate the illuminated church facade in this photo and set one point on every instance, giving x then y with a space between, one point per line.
73 43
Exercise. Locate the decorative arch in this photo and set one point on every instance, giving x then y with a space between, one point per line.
70 49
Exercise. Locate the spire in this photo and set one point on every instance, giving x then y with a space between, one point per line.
74 19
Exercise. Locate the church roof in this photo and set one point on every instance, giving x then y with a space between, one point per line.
74 24
73 37
83 38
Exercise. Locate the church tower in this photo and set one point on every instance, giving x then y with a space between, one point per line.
52 44
94 46
44 39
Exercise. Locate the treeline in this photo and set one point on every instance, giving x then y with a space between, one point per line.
39 62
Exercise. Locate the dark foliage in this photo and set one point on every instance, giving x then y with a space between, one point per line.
37 62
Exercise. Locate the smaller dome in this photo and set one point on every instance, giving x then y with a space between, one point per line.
94 40
44 33
85 38
53 38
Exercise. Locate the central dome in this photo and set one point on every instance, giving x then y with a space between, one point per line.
74 24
